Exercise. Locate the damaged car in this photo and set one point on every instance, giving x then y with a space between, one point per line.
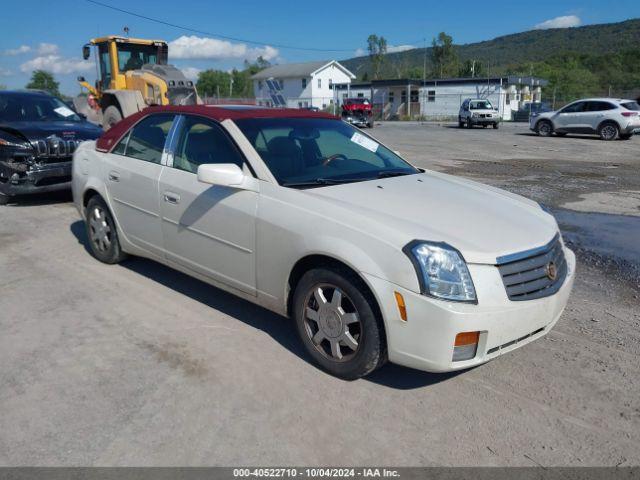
38 135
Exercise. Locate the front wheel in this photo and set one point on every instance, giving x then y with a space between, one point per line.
544 128
469 124
338 323
102 232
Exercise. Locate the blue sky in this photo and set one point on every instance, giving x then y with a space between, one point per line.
49 34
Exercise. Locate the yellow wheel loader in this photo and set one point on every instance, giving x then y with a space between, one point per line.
132 74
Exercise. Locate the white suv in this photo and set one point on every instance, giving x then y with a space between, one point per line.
478 112
610 118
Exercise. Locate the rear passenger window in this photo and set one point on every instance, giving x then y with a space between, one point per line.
146 140
203 141
599 106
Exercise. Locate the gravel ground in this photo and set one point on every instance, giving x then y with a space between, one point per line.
139 365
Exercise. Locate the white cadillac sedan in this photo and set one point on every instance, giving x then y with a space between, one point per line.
304 214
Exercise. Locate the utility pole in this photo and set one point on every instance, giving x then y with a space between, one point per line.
231 86
424 64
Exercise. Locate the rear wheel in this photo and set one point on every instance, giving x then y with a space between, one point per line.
102 232
337 322
544 128
608 131
110 117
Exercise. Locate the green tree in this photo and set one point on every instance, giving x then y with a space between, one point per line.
472 68
377 47
3 87
444 56
43 80
213 83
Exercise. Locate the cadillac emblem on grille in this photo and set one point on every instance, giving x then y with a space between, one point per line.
552 271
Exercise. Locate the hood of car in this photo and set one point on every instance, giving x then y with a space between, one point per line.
33 131
482 222
485 111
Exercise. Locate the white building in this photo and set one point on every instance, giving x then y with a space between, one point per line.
302 85
441 98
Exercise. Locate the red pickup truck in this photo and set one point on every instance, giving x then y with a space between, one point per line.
358 112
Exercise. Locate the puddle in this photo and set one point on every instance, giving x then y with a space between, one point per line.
606 240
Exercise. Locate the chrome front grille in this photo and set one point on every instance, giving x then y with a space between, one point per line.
533 274
55 147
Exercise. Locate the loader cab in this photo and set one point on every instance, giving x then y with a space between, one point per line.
117 55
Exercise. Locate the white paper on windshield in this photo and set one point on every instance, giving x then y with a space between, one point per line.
64 111
365 142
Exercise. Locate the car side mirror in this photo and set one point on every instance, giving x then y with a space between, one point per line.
81 79
224 174
86 52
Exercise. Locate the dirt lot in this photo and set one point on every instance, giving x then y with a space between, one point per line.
139 365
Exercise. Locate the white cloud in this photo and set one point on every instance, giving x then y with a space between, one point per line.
214 49
4 72
399 48
18 51
559 22
56 64
360 52
191 72
47 49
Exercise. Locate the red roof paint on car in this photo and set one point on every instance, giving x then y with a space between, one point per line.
110 138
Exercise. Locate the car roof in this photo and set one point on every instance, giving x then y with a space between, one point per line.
603 99
214 112
35 93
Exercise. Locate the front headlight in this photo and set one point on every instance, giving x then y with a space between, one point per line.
442 271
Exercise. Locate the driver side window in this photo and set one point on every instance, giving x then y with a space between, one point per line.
203 141
575 108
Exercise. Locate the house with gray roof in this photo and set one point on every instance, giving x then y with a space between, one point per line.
300 85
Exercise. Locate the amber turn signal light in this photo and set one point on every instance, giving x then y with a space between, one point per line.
467 338
402 308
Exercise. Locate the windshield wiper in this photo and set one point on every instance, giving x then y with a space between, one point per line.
322 181
394 173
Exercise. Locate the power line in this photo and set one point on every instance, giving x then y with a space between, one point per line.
216 35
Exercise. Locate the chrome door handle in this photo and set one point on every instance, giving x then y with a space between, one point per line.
114 176
171 197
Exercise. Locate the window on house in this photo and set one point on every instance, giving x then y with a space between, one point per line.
414 96
508 99
431 96
390 97
319 83
403 96
344 95
304 83
330 84
299 104
260 85
361 95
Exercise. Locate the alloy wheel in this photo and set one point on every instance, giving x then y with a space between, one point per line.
332 323
609 132
99 229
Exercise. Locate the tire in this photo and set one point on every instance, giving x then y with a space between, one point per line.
469 124
345 335
496 126
102 232
544 128
4 199
608 131
626 136
460 123
110 117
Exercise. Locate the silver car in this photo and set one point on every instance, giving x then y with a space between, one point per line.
607 117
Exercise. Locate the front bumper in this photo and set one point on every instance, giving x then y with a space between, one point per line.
426 340
484 121
34 178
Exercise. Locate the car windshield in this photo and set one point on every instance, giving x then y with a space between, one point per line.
132 57
481 105
633 106
34 108
307 152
